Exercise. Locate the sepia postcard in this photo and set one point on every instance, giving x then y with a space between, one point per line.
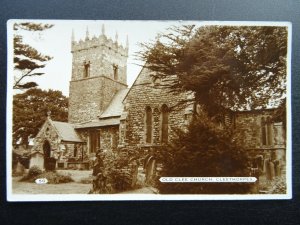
148 110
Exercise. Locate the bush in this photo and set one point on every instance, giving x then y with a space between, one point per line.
86 180
56 178
204 151
112 173
34 172
52 176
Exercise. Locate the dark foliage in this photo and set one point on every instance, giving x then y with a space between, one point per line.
112 173
204 151
27 60
227 67
30 112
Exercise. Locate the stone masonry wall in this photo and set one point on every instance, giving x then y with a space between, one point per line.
102 53
250 125
90 96
48 133
60 150
142 94
109 138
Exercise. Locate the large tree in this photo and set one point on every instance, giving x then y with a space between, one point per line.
27 59
227 67
30 111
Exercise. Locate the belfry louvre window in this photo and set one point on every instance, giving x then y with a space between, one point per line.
266 131
148 123
164 124
116 75
86 72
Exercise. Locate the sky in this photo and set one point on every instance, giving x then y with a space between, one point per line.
56 42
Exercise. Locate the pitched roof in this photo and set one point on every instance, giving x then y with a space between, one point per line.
100 123
66 131
115 107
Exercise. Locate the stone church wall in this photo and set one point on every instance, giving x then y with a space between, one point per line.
109 138
249 124
90 96
48 133
102 53
145 93
106 63
264 154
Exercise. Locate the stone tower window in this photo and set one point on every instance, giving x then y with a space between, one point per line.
116 72
148 123
266 131
164 123
86 69
155 80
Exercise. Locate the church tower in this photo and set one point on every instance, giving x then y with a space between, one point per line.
99 70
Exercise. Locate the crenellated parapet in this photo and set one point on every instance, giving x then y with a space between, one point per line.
99 70
102 41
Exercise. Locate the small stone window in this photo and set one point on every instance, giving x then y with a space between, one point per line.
155 80
94 140
86 69
75 151
266 132
114 140
164 123
116 72
148 124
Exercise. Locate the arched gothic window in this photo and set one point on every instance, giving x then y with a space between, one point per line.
266 131
148 123
164 123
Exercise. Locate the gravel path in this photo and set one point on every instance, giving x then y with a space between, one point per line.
67 188
33 188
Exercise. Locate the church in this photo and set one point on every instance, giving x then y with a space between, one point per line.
106 115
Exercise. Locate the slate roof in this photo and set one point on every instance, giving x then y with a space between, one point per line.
66 131
111 115
115 107
100 123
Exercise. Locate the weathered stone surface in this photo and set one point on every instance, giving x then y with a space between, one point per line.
109 138
142 94
250 125
91 96
60 150
90 93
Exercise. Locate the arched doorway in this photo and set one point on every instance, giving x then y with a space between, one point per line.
47 155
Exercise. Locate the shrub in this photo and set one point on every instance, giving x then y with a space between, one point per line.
112 173
52 176
34 172
86 180
205 150
55 178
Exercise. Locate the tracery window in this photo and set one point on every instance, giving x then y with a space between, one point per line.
164 123
266 131
148 124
